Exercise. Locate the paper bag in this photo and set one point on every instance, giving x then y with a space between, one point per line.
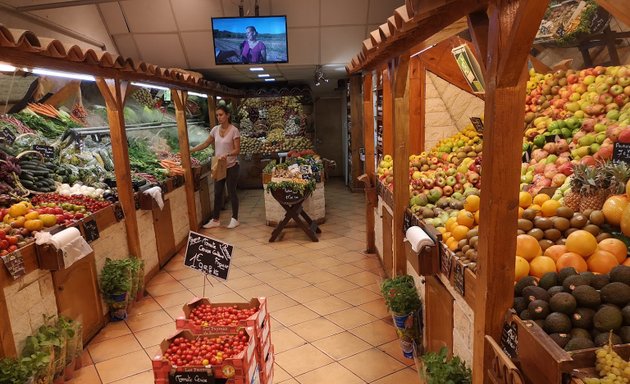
219 168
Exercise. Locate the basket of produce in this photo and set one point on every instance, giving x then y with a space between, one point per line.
567 23
291 191
36 176
201 316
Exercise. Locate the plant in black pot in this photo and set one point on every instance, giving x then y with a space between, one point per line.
115 286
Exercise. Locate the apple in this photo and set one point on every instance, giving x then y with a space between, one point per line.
624 81
610 80
572 79
590 79
428 183
440 181
605 98
616 89
626 90
622 99
448 190
451 180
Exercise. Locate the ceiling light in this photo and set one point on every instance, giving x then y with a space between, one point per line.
263 75
151 86
198 94
67 75
218 97
7 68
270 79
256 69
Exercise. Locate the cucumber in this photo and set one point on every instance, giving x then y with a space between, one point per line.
28 184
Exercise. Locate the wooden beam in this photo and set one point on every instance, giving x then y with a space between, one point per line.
478 27
618 8
180 98
504 116
370 161
356 132
400 73
212 111
388 107
114 92
417 105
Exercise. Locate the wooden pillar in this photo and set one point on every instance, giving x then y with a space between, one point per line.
417 105
180 97
388 106
398 72
356 132
512 27
114 92
212 110
368 144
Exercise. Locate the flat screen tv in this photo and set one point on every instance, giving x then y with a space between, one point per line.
250 40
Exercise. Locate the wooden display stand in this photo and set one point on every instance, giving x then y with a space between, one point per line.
292 203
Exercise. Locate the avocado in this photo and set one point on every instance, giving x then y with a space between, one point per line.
532 293
583 318
580 332
599 281
560 338
578 343
620 274
603 338
566 272
557 322
588 275
563 302
520 304
625 312
525 315
571 282
548 280
538 309
526 281
555 290
608 318
540 323
624 332
616 293
595 333
587 296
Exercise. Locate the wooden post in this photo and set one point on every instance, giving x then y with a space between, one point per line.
417 105
356 104
180 97
212 110
512 27
114 92
398 76
368 144
388 106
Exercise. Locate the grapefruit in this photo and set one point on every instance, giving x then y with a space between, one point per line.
582 243
550 207
571 259
540 198
521 268
465 218
555 251
541 265
613 209
527 247
524 199
471 203
601 262
616 247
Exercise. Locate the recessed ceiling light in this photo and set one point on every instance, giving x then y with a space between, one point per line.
263 75
7 68
270 79
255 69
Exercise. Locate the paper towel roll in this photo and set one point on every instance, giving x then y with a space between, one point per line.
418 238
65 237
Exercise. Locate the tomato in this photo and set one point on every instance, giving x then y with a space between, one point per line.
12 240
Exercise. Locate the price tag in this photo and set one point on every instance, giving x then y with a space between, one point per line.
136 199
446 261
477 123
621 152
460 272
208 255
8 136
509 340
200 377
407 220
14 262
46 150
90 230
118 212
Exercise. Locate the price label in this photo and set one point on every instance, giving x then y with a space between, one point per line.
200 377
509 339
477 123
208 255
621 152
118 212
46 150
90 230
460 272
446 261
407 220
136 199
8 136
14 262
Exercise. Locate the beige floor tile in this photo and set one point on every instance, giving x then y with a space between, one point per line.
280 301
325 262
294 315
242 282
306 294
145 377
145 305
364 278
333 250
334 371
272 275
285 261
161 278
327 305
318 277
177 298
279 374
407 375
285 339
302 359
153 336
316 329
111 348
262 290
148 320
175 311
193 282
375 333
211 290
86 375
245 260
372 364
185 273
112 330
301 268
166 288
290 284
337 286
351 318
376 308
341 345
394 350
230 297
236 273
290 381
123 366
344 270
358 296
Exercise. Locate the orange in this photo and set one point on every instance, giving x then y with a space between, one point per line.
520 212
527 247
613 209
601 262
524 199
555 251
536 208
471 204
541 265
540 198
460 232
465 218
582 243
627 262
446 236
571 259
616 247
550 207
451 223
452 244
521 268
477 217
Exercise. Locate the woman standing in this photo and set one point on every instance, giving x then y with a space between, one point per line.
227 145
253 51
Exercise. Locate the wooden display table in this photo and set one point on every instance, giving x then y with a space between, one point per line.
292 202
314 205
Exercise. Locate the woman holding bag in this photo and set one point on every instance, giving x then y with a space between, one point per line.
227 145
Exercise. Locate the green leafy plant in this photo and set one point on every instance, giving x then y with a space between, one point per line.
115 278
300 187
14 371
439 369
400 294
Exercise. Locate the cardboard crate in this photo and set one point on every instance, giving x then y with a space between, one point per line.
263 348
257 320
234 368
266 365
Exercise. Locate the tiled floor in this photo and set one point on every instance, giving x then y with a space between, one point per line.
329 323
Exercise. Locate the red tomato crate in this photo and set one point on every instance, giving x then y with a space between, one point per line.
257 320
238 369
266 367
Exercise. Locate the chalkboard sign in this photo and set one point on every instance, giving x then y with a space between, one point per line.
446 261
14 264
46 150
118 212
208 255
477 123
509 339
90 230
407 221
136 199
8 136
201 377
621 152
459 278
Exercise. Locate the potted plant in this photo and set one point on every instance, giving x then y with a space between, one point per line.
115 285
401 298
439 369
15 371
68 329
49 340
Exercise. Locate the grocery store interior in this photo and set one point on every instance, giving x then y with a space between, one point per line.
290 192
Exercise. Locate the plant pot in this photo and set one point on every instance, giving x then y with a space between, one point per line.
68 373
78 363
407 346
400 320
118 306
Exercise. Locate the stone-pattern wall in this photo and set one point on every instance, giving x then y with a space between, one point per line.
179 214
378 228
463 325
29 299
112 243
148 244
461 105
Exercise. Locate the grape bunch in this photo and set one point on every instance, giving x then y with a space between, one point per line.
611 367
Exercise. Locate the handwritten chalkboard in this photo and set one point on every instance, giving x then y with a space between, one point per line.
8 136
509 339
90 230
621 152
46 150
407 220
14 264
459 278
208 255
118 212
194 377
446 261
477 123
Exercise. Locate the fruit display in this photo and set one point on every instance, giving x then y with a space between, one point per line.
76 203
206 315
204 351
610 367
578 309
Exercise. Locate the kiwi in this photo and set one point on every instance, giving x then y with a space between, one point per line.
562 241
560 338
602 339
561 223
536 233
548 280
599 281
597 217
581 332
544 243
472 233
523 283
553 234
583 318
519 304
532 293
529 214
587 212
566 272
603 236
520 232
571 282
543 223
578 221
565 212
569 231
555 290
592 229
525 225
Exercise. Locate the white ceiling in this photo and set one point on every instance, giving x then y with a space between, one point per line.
177 33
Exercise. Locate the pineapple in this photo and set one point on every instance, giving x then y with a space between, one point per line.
572 200
594 191
618 174
573 197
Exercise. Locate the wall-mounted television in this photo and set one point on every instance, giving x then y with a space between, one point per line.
250 40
